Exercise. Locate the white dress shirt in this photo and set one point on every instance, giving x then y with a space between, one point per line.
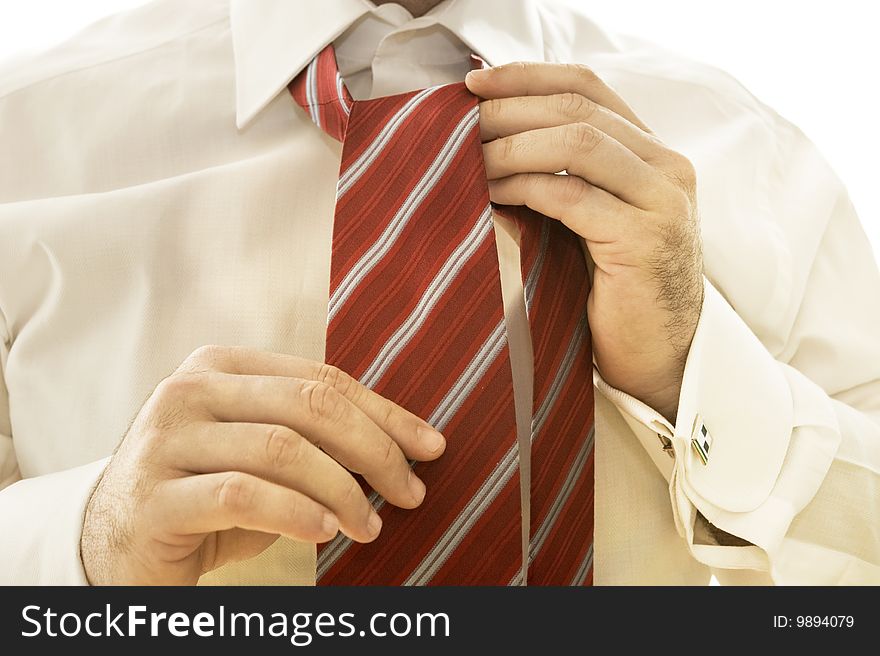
160 190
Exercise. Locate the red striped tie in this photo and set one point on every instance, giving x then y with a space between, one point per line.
416 314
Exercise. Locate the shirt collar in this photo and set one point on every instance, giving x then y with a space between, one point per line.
273 40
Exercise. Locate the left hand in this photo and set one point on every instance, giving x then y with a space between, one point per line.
631 198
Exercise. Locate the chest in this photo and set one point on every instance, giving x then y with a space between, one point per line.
103 294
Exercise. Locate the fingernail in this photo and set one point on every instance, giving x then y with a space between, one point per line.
374 523
478 72
416 487
431 439
329 524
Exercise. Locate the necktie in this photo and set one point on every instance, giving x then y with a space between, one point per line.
415 313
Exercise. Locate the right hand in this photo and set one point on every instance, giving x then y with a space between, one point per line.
237 447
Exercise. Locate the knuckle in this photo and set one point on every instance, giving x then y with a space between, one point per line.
492 109
283 447
684 208
295 506
569 189
389 413
235 493
352 493
165 420
169 408
178 386
688 174
581 138
683 176
585 73
206 356
323 401
337 379
575 106
681 164
390 456
509 147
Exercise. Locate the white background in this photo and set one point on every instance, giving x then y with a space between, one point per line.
815 62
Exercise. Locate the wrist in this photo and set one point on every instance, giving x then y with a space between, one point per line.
641 346
647 367
659 391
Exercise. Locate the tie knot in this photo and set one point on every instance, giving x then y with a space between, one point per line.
319 90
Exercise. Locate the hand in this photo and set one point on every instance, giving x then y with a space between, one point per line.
238 447
630 197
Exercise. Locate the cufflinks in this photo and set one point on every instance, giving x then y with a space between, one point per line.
666 445
701 440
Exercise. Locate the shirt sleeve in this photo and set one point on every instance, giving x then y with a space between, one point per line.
41 516
781 449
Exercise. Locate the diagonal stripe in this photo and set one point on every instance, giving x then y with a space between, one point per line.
333 550
469 378
466 519
380 248
494 484
404 274
477 502
446 409
568 485
448 541
450 403
340 92
312 92
532 280
561 376
502 473
435 290
584 568
353 173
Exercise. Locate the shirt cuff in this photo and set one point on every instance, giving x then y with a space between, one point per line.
733 427
45 515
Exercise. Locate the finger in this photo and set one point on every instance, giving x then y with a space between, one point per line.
216 502
279 455
582 150
326 418
417 439
503 117
587 210
545 79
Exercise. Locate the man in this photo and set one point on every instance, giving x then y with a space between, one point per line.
161 191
